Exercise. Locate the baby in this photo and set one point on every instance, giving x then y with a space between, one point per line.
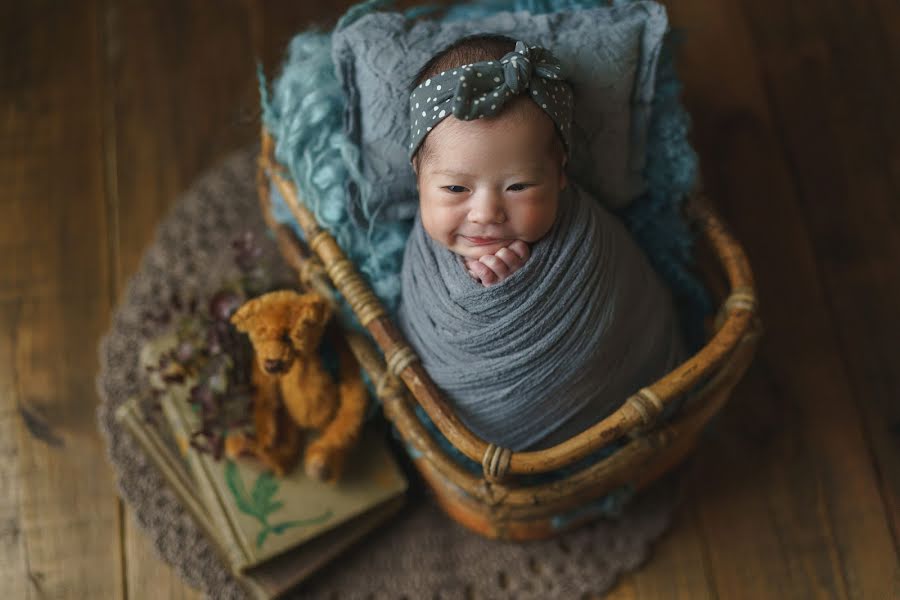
488 188
530 305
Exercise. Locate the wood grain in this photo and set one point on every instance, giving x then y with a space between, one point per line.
147 575
183 95
834 85
14 571
679 567
61 527
796 509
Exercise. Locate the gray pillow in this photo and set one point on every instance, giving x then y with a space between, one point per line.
609 53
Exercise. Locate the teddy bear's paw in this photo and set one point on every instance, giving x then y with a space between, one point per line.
238 445
318 469
323 464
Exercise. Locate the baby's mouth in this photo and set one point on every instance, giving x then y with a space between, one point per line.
482 241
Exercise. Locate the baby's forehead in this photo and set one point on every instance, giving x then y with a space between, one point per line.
526 134
503 125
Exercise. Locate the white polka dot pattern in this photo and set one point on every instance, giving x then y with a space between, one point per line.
533 69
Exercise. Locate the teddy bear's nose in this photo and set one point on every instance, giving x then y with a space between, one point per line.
274 365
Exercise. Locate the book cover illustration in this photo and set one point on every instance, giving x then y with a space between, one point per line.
261 503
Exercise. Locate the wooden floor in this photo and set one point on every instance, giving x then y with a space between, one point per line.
109 108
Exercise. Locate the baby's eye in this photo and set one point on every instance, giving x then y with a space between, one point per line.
455 189
518 187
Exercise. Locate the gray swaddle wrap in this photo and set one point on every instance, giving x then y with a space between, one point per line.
555 347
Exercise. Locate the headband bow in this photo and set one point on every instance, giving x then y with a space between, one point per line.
481 89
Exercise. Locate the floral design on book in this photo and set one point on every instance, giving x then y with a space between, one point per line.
261 503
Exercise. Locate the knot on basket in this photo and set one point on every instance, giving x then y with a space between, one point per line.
495 462
741 298
400 357
389 384
647 404
360 297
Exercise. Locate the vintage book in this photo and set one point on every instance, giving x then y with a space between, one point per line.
274 532
275 576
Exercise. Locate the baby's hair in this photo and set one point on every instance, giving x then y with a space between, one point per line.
469 49
466 50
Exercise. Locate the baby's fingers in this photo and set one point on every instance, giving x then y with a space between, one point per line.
521 249
483 273
512 260
498 268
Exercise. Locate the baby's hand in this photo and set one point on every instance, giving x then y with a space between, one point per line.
494 268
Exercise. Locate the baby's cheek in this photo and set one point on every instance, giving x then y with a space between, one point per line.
535 220
438 223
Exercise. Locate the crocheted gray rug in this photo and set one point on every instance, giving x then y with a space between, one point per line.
420 553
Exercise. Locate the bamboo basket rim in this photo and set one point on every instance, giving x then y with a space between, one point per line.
401 374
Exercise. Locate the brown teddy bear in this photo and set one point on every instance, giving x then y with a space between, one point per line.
285 328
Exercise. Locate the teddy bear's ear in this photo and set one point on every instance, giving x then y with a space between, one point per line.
318 306
310 308
245 314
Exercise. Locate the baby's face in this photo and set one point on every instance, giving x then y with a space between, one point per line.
488 182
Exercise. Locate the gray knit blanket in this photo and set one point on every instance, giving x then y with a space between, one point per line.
555 347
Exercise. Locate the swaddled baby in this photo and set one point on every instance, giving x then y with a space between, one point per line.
530 305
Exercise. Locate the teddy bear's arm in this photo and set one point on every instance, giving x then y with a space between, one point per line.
326 456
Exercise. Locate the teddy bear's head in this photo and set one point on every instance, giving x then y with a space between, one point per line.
282 326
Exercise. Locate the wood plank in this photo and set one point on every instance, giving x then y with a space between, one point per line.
793 505
833 78
184 97
147 575
679 567
14 570
274 22
61 513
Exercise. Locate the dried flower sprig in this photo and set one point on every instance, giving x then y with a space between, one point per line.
211 352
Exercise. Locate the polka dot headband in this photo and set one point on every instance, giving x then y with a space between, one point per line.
479 90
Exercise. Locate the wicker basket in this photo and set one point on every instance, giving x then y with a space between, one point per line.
496 505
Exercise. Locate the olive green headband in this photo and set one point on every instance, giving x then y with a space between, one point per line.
481 89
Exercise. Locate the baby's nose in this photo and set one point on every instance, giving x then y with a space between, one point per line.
487 209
